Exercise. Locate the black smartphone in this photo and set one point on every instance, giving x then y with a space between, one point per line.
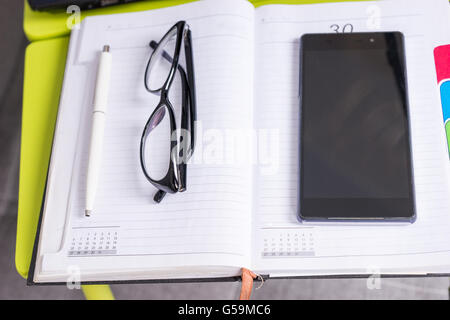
355 149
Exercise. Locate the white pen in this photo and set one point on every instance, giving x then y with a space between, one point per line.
98 126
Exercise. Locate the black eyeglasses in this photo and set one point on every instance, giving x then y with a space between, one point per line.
161 137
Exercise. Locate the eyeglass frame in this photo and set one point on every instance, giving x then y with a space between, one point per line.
175 178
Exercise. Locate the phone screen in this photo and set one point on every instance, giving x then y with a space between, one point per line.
355 158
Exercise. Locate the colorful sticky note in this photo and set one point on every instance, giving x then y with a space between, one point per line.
442 60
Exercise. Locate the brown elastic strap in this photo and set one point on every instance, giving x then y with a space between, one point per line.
247 284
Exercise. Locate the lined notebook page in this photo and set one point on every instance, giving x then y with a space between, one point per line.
281 243
209 223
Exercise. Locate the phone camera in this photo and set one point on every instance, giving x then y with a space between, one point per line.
372 40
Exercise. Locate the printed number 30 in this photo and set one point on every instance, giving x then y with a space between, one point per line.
346 28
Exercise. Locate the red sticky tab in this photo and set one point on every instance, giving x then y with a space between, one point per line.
442 60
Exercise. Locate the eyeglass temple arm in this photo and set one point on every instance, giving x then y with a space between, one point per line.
159 195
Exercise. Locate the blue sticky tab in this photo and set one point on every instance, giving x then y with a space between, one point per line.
445 97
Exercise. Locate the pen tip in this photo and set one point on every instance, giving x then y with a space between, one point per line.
87 213
106 48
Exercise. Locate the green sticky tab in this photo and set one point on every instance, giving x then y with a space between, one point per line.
447 132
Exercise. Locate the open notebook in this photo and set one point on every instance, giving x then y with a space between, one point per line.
235 213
